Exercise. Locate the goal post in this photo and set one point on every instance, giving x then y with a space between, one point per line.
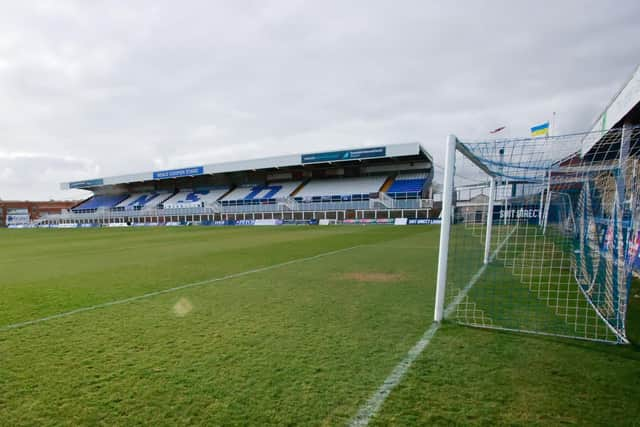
446 212
487 238
540 235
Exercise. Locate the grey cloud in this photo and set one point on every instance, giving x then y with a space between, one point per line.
40 170
162 84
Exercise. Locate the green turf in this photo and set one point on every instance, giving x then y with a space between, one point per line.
476 376
304 343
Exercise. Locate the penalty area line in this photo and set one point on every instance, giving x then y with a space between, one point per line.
173 289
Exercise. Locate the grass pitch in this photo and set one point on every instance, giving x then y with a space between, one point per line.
303 342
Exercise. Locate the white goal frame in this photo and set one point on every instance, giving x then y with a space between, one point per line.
453 146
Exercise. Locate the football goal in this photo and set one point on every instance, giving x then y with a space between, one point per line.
539 235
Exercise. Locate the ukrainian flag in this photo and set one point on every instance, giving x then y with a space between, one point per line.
540 130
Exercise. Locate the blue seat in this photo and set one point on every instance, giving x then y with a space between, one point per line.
103 201
407 186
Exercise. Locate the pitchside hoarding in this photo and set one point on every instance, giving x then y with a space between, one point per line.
424 221
521 213
17 216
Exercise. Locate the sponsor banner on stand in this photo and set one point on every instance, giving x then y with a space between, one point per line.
343 155
178 173
634 252
87 183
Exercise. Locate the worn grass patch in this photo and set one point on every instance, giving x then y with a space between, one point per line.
182 307
370 276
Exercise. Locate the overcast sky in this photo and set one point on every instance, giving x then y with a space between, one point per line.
92 89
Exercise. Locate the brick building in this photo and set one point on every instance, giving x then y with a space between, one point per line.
33 209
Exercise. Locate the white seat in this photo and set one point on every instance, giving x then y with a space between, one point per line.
149 199
342 186
275 190
191 198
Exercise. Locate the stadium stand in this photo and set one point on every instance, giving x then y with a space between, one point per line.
194 197
341 184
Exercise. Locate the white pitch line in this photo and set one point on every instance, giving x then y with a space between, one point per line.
169 290
374 403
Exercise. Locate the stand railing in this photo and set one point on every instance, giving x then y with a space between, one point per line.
382 199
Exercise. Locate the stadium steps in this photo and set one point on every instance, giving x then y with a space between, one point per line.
169 195
231 188
387 184
299 187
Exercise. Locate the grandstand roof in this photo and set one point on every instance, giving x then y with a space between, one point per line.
409 151
623 107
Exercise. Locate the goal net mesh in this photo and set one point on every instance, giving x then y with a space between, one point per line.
562 234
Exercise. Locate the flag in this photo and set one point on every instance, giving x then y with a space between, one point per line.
496 130
540 130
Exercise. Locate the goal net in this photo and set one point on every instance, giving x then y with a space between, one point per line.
539 235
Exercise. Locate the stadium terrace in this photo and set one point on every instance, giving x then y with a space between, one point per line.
370 183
